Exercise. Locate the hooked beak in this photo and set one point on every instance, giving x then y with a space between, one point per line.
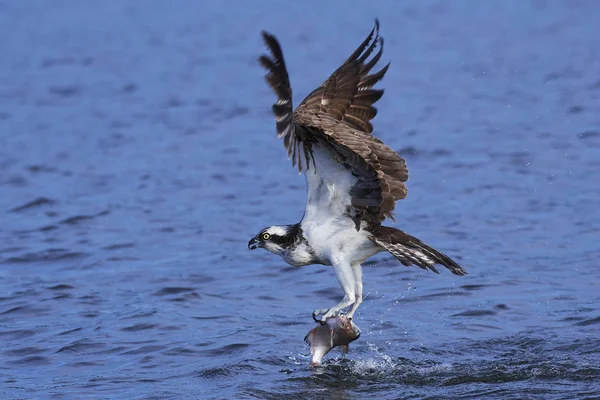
253 244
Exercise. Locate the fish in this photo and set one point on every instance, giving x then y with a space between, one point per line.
336 331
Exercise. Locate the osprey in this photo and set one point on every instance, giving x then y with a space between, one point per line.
353 178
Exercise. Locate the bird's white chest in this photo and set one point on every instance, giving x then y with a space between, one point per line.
335 241
330 232
299 256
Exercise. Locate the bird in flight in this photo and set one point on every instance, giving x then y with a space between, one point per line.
353 179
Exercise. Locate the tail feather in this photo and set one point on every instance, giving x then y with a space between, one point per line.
411 251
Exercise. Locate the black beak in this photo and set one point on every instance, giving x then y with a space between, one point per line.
253 244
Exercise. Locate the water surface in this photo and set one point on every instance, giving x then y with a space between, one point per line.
138 156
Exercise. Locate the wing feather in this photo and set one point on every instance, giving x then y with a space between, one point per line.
337 117
278 79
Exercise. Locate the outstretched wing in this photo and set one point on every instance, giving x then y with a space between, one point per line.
347 95
330 131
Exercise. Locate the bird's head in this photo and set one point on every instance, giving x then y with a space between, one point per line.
276 239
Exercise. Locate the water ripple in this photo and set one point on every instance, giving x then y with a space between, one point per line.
136 162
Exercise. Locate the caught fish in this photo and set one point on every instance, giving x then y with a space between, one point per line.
337 331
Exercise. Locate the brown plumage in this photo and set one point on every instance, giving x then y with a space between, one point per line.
337 117
411 251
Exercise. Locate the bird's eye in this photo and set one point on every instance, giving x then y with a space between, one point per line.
266 236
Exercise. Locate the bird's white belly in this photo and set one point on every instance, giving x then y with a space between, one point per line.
337 240
326 225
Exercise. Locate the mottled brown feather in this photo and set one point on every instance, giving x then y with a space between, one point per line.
336 116
411 251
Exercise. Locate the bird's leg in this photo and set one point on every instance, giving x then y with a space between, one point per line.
358 288
345 275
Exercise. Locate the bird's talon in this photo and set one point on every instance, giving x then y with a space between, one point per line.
317 312
326 314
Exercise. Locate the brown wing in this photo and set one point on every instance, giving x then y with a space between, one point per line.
277 77
336 116
347 95
411 251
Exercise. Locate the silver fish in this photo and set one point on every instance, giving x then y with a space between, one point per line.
337 331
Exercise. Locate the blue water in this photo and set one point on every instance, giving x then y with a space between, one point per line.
138 156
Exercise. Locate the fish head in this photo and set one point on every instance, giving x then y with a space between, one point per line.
343 330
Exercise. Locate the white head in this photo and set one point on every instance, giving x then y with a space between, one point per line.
277 238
